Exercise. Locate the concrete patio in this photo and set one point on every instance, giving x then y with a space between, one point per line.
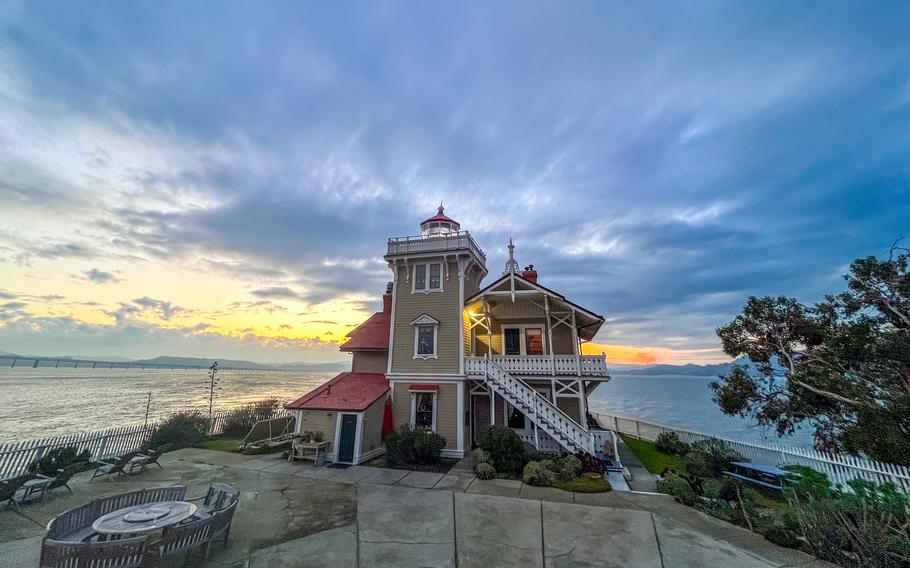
300 515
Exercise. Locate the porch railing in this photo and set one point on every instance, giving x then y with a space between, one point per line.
583 365
461 240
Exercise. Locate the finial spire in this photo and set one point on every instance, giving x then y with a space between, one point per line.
441 208
511 264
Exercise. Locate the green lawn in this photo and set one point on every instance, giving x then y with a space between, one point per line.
652 459
584 484
221 443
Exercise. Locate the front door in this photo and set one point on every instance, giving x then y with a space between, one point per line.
480 403
348 435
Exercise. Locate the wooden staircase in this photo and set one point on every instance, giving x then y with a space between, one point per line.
546 415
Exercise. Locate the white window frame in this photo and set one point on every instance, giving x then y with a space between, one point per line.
522 339
426 321
427 290
414 408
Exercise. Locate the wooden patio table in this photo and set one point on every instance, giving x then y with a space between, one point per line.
307 451
143 518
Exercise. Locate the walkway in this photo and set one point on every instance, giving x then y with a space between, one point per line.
298 515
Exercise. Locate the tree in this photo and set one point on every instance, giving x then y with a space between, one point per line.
842 365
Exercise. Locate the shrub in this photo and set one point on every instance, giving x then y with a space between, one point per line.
59 458
782 536
181 430
536 473
670 444
698 464
484 471
711 488
427 446
569 468
865 527
480 456
399 445
585 484
717 454
679 488
506 450
591 464
811 483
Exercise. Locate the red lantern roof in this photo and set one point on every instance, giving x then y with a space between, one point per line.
441 216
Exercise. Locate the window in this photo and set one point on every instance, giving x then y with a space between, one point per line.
423 410
522 340
420 277
426 340
425 335
534 341
435 281
428 277
512 341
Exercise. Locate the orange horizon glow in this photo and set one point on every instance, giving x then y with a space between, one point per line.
637 355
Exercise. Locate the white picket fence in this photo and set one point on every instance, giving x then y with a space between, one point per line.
839 468
15 457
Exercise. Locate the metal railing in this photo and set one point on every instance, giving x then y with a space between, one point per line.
460 240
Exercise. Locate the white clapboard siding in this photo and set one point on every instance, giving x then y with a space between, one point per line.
840 468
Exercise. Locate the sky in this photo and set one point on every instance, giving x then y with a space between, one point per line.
218 179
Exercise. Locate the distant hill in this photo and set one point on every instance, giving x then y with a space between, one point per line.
332 366
204 362
689 369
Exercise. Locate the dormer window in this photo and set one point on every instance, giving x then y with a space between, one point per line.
426 333
428 277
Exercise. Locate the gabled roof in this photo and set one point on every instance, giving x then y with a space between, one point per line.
372 335
347 391
532 286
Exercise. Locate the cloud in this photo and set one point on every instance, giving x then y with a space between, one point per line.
659 177
100 276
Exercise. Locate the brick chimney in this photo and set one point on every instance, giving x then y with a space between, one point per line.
529 273
387 299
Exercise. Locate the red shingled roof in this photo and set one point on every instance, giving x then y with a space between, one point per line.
347 391
371 334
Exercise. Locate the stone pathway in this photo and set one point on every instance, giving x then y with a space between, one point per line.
299 515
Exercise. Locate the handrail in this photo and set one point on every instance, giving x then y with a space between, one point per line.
577 433
462 239
566 365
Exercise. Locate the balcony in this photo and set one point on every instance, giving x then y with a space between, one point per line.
455 241
582 365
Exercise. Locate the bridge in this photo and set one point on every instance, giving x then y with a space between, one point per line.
68 363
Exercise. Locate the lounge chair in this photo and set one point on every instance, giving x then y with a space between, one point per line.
112 469
123 553
62 479
10 487
185 539
150 457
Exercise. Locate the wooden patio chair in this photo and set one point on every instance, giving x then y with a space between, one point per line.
9 488
149 457
184 540
114 468
123 553
62 479
221 526
219 496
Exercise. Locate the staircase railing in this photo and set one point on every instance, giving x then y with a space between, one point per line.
544 413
